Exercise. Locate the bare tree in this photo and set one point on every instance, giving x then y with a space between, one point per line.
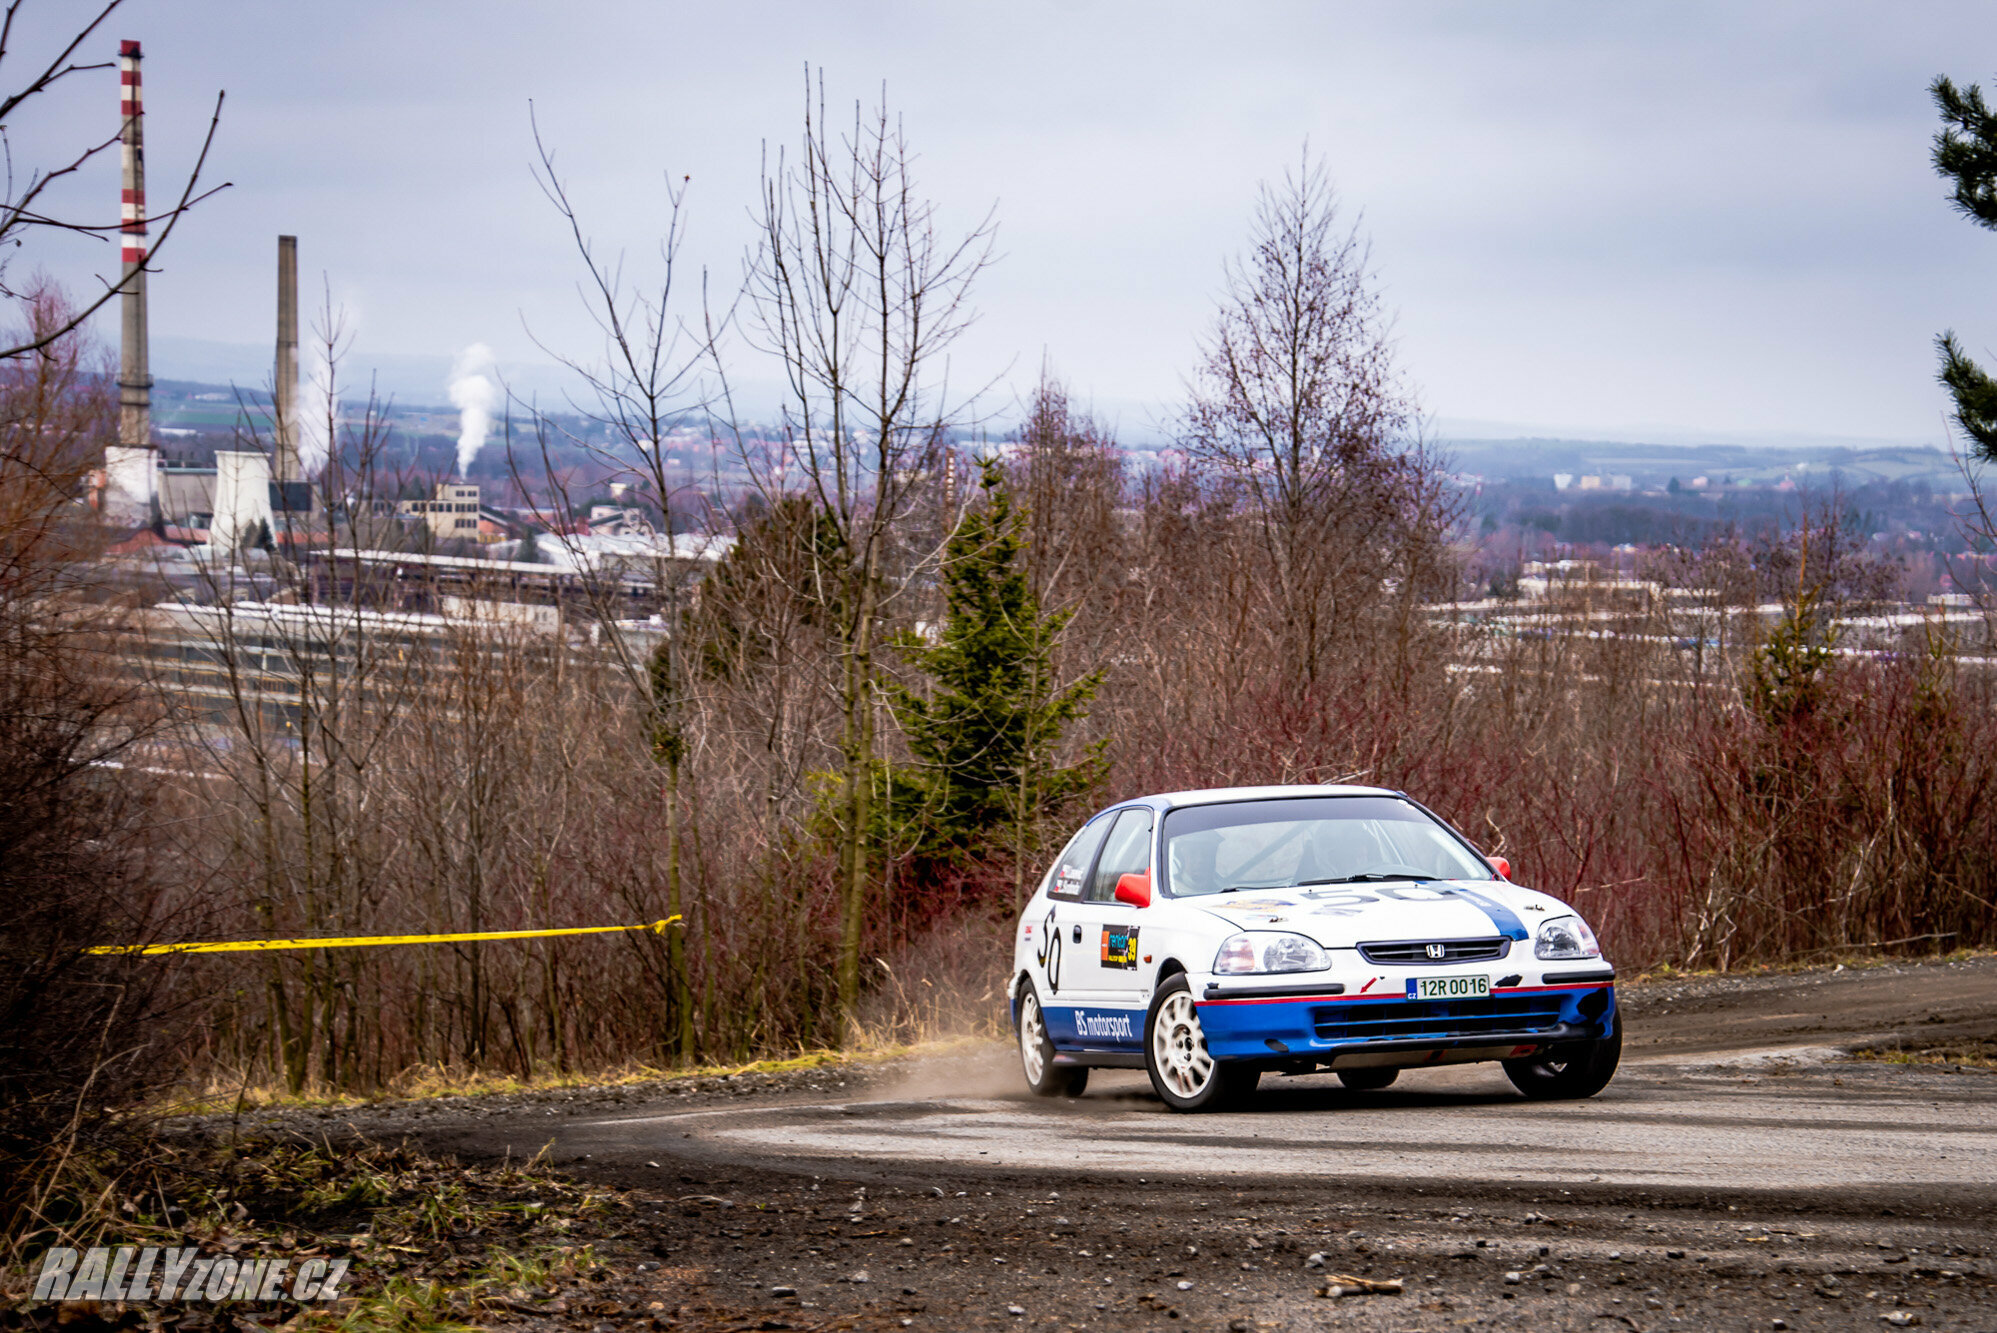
1297 408
1069 475
859 298
642 388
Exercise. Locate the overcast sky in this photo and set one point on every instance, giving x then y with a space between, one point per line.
1655 217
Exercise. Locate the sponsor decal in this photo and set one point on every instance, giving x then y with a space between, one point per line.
1261 905
1119 948
1111 1026
133 1273
1069 880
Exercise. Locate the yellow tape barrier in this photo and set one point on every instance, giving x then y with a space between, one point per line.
367 941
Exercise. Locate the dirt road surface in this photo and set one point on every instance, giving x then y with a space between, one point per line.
1738 1174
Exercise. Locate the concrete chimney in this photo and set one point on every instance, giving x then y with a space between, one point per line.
132 465
284 461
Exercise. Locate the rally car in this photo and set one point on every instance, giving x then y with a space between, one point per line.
1209 937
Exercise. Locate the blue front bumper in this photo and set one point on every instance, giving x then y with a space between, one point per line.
1269 1028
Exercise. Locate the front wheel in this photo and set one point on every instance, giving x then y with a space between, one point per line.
1036 1053
1183 1072
1577 1073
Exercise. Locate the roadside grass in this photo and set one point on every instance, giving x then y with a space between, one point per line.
1853 958
1968 1053
224 1098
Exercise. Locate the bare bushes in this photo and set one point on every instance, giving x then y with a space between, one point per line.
78 1034
1862 819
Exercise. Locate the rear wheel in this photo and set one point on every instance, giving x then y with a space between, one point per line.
1036 1053
1367 1080
1569 1073
1183 1072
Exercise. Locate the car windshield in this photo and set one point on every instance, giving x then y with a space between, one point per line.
1308 840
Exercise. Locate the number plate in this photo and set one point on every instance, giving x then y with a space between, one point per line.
1448 988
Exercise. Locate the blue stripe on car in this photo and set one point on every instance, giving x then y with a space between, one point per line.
1502 917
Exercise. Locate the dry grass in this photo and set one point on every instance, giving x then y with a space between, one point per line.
223 1098
1968 1053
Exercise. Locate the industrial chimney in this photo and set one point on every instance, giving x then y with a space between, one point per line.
132 466
284 428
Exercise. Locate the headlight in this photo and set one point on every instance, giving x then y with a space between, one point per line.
1269 951
1565 937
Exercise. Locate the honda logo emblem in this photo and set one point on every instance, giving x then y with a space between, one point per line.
1438 951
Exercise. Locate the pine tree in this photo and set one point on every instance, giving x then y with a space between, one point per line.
985 740
1966 152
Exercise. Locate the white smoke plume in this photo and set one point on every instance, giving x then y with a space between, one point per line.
314 396
475 393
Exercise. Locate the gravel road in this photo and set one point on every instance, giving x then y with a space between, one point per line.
1738 1174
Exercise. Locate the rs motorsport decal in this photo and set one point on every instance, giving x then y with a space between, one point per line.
1104 1026
1120 947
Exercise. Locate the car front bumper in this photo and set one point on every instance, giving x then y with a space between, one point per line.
1296 1023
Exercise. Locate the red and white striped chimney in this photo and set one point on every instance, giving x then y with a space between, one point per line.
135 381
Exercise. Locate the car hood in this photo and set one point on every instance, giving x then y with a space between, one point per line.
1343 915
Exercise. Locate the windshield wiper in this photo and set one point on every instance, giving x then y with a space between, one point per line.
1363 879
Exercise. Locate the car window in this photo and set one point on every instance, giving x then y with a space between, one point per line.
1312 840
1127 853
1065 879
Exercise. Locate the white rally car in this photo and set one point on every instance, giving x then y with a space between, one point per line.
1210 936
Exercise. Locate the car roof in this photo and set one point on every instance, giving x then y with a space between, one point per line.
1217 795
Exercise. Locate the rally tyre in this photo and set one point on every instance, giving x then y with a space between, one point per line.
1036 1052
1581 1073
1367 1080
1183 1072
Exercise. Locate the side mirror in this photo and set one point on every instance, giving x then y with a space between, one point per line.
1134 889
1501 865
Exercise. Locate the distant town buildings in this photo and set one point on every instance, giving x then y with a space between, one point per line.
1564 480
453 512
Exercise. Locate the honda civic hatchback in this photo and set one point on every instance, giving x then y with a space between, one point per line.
1210 937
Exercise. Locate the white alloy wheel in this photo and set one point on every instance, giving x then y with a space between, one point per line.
1036 1052
1032 1039
1179 1048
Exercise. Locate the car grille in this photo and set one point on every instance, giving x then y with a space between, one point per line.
1400 952
1389 1020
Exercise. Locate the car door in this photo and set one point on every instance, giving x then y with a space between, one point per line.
1059 928
1100 972
1118 954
